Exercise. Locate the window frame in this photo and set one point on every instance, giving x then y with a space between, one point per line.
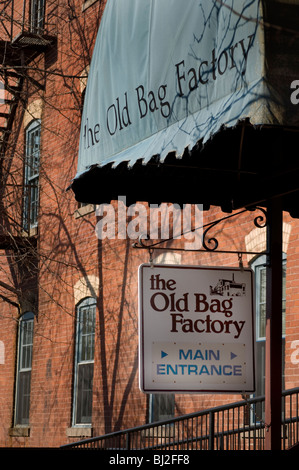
84 305
31 175
21 418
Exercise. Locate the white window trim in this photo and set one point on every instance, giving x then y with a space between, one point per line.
84 302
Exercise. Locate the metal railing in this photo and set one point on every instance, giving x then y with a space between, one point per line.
236 426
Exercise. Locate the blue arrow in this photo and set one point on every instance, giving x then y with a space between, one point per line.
163 354
232 355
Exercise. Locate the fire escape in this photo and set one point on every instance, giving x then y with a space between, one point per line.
27 31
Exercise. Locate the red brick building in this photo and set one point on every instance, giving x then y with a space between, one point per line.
69 300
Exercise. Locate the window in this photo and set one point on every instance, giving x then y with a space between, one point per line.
259 267
25 343
31 180
84 361
161 407
37 16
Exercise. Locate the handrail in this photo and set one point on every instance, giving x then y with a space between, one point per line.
235 426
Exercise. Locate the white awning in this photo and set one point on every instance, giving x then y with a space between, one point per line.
166 74
191 102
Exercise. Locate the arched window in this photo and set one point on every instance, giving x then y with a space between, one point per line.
23 379
31 175
84 361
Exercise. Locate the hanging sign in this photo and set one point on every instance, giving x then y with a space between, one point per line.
196 329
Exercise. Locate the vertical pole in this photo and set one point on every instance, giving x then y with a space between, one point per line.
273 366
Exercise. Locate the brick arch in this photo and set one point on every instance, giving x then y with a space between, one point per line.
169 257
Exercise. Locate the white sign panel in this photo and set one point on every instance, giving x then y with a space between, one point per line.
196 329
165 74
